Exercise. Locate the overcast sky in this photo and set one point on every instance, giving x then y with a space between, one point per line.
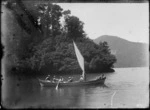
126 20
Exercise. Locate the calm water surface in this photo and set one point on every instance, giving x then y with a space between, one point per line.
125 88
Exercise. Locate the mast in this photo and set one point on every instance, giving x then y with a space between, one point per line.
80 60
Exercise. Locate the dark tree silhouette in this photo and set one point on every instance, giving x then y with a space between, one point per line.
41 44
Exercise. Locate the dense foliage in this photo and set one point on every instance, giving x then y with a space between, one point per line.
41 43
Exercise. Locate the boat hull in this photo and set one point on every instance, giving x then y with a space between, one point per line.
76 83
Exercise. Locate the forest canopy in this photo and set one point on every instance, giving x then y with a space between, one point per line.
39 42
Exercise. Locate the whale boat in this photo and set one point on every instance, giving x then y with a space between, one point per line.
80 59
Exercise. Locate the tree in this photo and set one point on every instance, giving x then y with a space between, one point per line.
48 47
103 59
104 48
74 27
48 18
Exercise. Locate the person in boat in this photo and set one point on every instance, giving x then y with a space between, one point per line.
70 79
61 79
103 76
47 78
55 79
81 78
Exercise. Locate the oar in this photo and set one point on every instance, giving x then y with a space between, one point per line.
112 98
57 84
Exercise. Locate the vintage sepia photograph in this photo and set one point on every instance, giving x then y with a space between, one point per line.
74 54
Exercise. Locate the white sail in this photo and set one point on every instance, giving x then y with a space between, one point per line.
79 58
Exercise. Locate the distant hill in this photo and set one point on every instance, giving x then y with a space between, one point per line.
128 54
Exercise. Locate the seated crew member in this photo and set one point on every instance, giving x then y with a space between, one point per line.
70 79
81 78
47 78
54 79
61 79
103 76
100 77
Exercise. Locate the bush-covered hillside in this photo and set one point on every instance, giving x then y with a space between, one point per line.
37 42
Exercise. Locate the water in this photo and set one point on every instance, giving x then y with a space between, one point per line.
125 88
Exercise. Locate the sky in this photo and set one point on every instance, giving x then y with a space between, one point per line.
129 21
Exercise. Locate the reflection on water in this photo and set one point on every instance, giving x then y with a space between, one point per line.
130 85
68 96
